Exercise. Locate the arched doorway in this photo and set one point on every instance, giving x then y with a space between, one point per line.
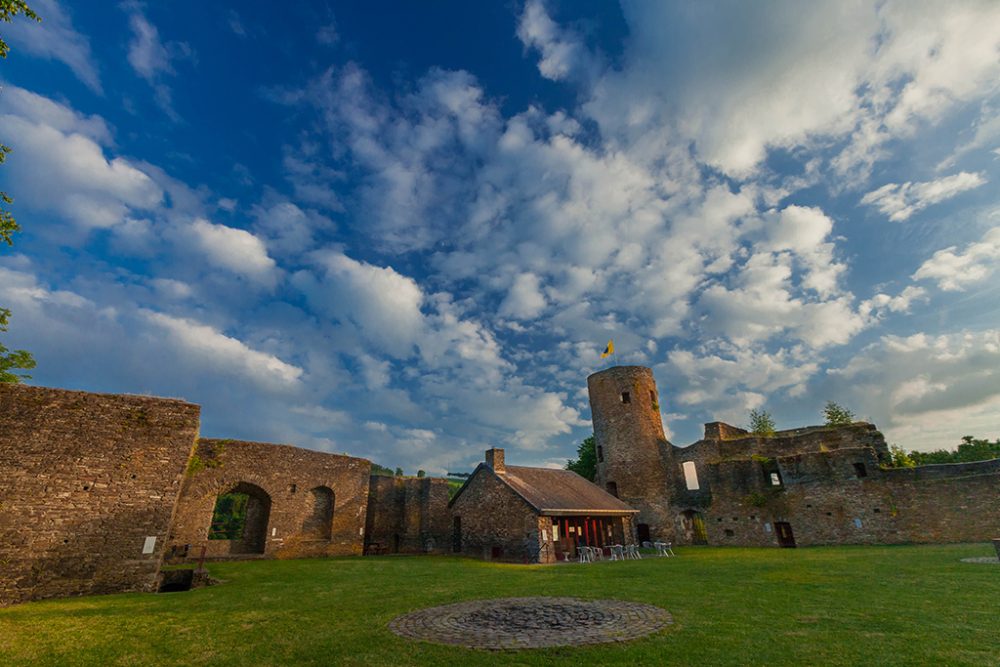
318 523
240 516
693 525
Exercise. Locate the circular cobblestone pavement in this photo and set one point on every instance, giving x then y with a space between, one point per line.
536 622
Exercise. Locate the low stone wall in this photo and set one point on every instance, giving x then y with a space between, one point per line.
289 518
408 515
88 483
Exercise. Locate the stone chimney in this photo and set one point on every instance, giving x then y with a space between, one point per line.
494 459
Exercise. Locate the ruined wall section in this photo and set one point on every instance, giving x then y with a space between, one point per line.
408 515
496 523
827 502
288 476
88 482
633 451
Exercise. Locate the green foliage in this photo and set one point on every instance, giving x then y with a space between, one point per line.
763 460
8 10
971 449
381 470
761 422
399 472
837 415
585 464
421 473
208 458
229 517
11 360
756 499
898 458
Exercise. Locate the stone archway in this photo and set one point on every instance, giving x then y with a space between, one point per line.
240 517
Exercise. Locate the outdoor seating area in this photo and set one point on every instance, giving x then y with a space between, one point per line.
585 554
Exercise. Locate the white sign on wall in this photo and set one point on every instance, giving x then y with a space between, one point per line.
149 545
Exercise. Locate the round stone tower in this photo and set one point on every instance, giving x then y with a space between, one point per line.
634 459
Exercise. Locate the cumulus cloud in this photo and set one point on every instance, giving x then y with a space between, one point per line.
236 250
219 351
563 53
919 387
55 38
524 301
955 270
901 200
57 149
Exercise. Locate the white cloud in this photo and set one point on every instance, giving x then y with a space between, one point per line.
563 53
44 111
383 304
55 38
524 301
881 303
901 200
955 270
927 391
227 354
152 59
234 249
93 191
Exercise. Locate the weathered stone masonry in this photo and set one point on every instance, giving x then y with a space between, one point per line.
304 503
408 515
88 483
809 486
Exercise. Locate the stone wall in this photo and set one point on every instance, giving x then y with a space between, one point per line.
827 500
88 483
496 523
408 515
633 452
290 490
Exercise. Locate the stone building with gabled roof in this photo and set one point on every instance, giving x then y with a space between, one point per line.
536 515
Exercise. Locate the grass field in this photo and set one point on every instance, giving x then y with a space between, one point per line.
818 606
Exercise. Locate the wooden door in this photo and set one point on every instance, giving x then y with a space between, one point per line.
784 531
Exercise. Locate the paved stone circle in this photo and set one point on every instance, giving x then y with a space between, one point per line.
535 622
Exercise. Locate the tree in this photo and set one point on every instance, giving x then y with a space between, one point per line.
761 422
8 10
421 473
399 472
11 359
898 458
971 449
837 415
585 464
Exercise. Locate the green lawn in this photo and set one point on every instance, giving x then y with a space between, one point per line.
818 606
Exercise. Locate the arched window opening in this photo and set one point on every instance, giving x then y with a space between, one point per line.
318 522
240 516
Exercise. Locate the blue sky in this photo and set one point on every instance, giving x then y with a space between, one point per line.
407 230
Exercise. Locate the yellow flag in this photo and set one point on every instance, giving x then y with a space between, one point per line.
609 350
